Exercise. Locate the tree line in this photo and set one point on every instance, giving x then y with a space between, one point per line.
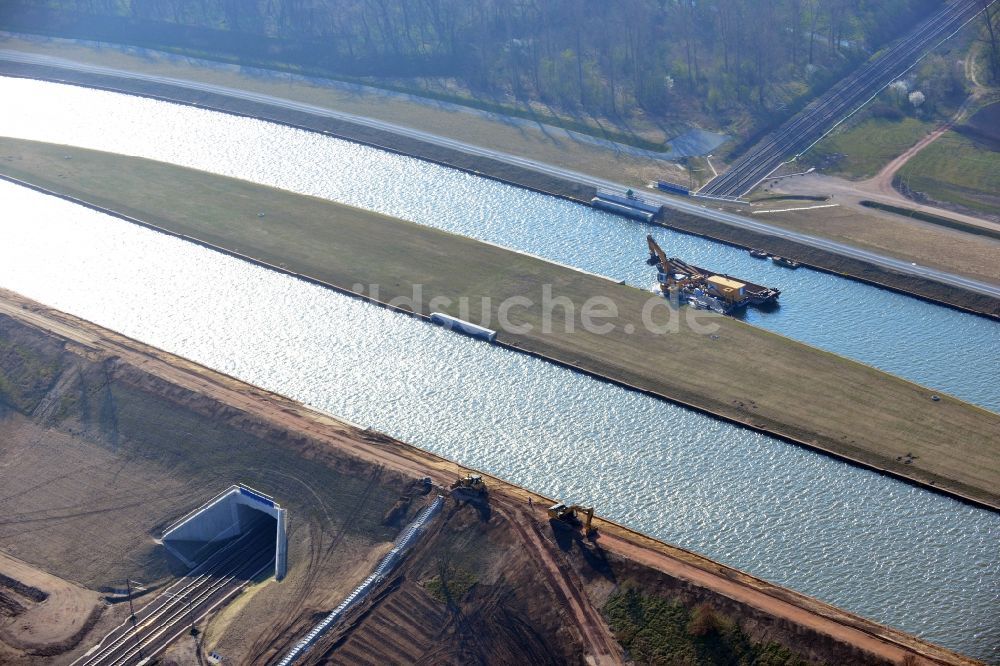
600 56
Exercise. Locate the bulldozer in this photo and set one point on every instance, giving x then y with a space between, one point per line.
469 485
570 515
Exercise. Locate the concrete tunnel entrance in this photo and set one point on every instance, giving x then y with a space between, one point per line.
235 511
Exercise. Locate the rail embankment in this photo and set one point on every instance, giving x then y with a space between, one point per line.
737 372
930 290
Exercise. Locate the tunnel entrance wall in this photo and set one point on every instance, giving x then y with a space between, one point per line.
225 516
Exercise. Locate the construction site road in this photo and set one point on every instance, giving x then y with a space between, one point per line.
807 127
683 205
798 609
180 606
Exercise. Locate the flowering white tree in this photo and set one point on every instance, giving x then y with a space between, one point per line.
898 90
916 99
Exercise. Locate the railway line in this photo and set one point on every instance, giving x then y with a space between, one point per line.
176 609
818 119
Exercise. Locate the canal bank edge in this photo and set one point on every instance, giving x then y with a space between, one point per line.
922 288
928 480
308 421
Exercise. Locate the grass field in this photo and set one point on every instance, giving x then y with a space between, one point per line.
739 372
868 146
959 170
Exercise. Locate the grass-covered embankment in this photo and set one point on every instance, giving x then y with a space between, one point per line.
544 147
946 222
657 630
860 151
740 373
961 169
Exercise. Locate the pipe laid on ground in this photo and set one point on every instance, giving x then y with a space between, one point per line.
406 539
464 327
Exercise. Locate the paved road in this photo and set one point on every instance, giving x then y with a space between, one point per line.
683 205
174 611
804 129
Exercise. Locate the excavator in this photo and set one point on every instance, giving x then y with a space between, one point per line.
571 515
671 265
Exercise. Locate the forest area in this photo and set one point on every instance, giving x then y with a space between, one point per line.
727 64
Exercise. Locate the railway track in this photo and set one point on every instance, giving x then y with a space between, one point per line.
818 119
182 604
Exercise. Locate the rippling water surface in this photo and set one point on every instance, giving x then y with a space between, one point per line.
940 348
879 547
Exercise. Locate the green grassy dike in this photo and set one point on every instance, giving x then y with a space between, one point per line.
659 630
741 372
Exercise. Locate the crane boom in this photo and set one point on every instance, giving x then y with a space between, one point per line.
656 252
670 265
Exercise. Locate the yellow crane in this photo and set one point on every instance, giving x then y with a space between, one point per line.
672 265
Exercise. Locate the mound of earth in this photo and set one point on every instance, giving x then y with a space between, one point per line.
983 127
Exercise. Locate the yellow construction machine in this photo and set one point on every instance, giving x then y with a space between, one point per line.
571 515
471 484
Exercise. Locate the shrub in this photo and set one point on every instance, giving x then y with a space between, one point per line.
703 621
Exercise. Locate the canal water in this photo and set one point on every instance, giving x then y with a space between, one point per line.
882 548
940 348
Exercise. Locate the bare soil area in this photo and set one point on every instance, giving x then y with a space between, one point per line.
98 457
495 617
50 614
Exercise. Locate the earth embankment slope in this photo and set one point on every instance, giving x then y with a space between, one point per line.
98 404
739 372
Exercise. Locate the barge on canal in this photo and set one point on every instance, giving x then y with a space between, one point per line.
702 288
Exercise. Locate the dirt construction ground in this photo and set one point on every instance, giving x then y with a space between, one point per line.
42 610
103 441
